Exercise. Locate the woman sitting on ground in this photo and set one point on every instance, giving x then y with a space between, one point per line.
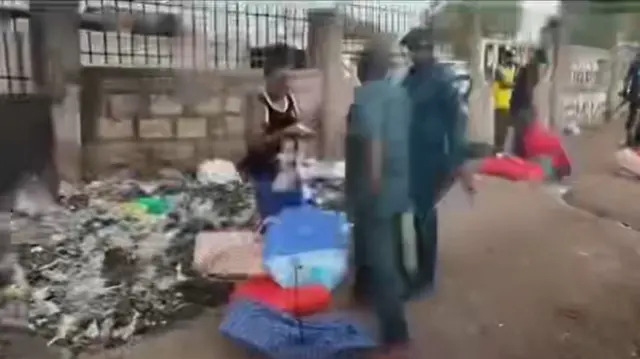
274 120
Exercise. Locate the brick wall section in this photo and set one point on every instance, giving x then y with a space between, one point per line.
122 128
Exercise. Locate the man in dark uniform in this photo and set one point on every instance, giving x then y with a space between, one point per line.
631 93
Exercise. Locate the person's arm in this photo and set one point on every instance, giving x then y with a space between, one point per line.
531 78
627 79
368 125
456 124
455 135
256 115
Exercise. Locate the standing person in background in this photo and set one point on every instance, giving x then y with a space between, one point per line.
274 120
631 93
377 181
521 105
502 87
437 149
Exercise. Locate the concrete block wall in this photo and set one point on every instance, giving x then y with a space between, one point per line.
148 132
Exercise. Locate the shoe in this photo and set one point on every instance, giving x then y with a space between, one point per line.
423 293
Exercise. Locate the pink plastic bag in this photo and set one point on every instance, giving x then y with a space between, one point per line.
228 254
540 141
512 168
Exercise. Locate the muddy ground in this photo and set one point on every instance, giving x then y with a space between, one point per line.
522 276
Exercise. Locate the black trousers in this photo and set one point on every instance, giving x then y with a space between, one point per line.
520 119
502 121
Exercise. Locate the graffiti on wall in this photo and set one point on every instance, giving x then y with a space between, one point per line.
584 107
585 73
584 101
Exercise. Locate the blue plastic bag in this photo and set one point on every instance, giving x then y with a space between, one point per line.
271 202
307 245
281 336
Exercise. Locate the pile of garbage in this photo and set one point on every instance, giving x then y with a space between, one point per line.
326 182
115 263
115 258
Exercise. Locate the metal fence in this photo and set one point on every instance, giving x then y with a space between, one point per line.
217 34
15 67
222 34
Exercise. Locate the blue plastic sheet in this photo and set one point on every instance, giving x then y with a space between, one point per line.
281 336
307 245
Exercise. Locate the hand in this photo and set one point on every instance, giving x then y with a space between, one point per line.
297 130
467 180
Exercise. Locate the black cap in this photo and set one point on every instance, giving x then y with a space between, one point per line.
418 38
509 53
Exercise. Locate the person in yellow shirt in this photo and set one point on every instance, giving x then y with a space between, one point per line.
502 88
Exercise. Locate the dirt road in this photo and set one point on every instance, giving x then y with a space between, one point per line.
522 276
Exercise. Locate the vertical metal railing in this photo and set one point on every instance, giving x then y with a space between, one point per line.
372 17
15 64
223 34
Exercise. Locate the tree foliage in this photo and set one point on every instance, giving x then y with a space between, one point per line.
596 22
498 18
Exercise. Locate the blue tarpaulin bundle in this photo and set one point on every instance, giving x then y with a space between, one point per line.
282 336
307 245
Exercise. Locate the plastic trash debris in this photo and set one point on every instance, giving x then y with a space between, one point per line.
572 129
33 198
112 265
154 205
217 171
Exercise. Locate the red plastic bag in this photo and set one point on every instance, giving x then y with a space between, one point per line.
512 168
538 141
302 300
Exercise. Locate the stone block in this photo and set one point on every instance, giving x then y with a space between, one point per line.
233 104
163 105
156 128
235 125
229 147
178 154
203 148
105 158
188 127
109 128
122 106
212 106
217 127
